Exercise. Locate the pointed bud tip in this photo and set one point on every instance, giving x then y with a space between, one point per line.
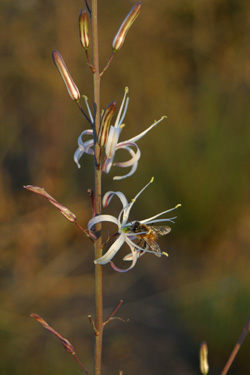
152 180
178 205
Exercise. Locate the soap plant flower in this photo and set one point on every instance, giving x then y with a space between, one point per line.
124 233
112 145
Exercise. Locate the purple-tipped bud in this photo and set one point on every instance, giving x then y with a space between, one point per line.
83 29
203 358
125 26
105 124
63 70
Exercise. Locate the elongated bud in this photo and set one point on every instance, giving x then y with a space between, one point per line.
83 29
203 358
125 26
63 70
70 216
105 124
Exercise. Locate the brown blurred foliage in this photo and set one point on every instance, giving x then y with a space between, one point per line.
190 61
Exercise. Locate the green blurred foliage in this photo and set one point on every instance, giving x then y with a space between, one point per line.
190 61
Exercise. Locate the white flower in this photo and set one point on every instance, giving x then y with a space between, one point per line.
125 236
112 144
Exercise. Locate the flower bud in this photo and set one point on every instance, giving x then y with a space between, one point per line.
125 26
203 358
69 83
70 216
83 29
105 124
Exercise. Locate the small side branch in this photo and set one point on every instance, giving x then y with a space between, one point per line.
93 325
89 62
242 337
107 65
87 233
113 313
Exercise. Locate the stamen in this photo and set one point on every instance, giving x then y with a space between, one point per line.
139 136
145 187
87 105
118 121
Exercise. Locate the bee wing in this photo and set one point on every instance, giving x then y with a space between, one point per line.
153 245
161 230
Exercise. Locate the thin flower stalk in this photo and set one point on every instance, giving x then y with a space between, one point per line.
97 194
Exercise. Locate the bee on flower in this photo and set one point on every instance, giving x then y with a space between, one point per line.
140 236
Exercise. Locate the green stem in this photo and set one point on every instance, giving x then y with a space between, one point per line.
98 196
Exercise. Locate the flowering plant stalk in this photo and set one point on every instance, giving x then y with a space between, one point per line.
139 236
104 143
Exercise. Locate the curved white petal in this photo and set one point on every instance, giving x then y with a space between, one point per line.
139 136
133 162
132 171
85 132
77 156
114 248
107 164
88 147
133 257
109 195
135 155
100 218
112 141
84 147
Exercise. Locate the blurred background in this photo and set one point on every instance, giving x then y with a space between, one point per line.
189 60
